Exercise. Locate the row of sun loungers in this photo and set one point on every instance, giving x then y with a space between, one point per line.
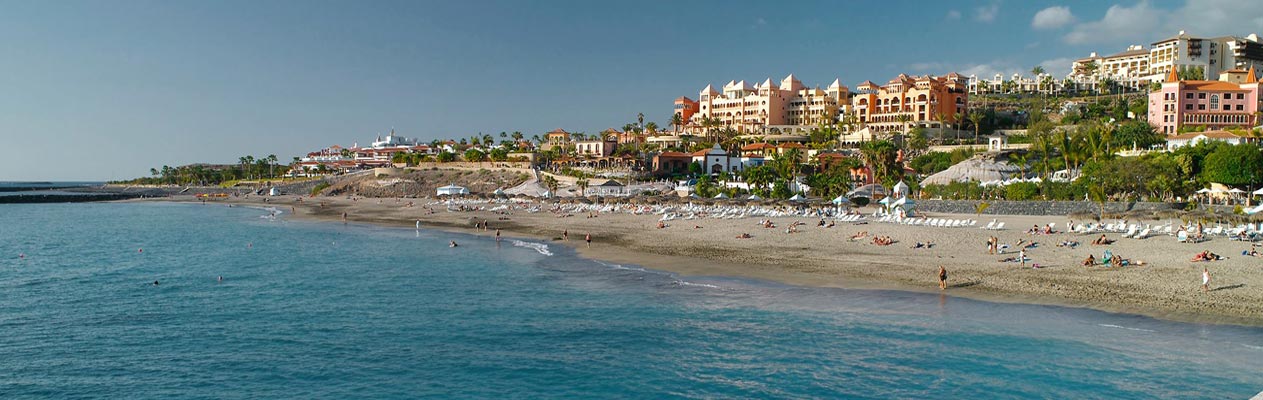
938 222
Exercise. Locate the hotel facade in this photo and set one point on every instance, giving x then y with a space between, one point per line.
793 108
1232 101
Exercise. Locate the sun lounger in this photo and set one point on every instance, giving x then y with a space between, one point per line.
989 225
1182 237
1143 234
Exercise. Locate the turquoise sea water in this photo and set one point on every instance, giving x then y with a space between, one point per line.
323 310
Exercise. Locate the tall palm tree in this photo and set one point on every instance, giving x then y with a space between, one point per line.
676 122
517 135
271 159
977 117
651 128
640 120
938 117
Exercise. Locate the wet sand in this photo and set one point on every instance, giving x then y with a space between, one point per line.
1169 287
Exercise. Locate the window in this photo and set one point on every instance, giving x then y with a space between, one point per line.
1240 107
1188 95
1188 106
1240 96
1201 106
1201 95
1214 102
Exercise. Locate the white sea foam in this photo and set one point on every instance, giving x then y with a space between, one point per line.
1124 327
705 285
620 266
540 247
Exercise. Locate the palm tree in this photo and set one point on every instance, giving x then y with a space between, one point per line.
583 186
938 116
651 128
640 120
488 140
517 135
271 159
551 183
504 134
976 117
676 122
904 118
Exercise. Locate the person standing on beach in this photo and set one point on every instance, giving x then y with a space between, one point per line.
1021 256
1205 279
588 238
942 278
565 234
497 234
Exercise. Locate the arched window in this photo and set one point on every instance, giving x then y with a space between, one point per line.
1214 102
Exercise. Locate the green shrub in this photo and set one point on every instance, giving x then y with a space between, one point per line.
1021 191
319 188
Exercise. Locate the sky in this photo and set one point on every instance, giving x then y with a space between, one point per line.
99 90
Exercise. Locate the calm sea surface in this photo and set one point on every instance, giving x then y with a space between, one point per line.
321 310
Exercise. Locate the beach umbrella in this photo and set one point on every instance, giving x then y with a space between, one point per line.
840 200
1203 190
1258 192
884 201
797 197
721 196
754 197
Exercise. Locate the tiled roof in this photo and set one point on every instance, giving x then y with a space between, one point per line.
1208 134
757 146
1212 85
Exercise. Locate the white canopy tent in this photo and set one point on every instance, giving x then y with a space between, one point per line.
452 190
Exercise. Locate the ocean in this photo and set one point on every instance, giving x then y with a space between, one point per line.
327 310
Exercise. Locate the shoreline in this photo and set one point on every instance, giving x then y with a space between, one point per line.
632 239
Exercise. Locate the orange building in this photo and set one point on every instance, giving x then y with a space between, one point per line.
910 101
685 108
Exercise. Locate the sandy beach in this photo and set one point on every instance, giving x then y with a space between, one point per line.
1168 286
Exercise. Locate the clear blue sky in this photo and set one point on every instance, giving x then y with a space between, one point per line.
107 89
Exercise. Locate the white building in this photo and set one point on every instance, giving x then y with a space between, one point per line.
717 160
1192 139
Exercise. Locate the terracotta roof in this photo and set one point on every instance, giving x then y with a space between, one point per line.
792 145
757 146
558 130
1250 77
1173 76
1212 85
1208 134
701 153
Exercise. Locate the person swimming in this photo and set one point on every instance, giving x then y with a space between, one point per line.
452 244
155 283
221 278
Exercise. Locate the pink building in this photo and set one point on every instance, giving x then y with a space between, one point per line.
1232 101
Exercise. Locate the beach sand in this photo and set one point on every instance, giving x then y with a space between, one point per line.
1169 287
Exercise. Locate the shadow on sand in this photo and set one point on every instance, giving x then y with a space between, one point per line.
1239 285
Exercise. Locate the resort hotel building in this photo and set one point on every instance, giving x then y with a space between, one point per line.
793 108
1137 67
1231 101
